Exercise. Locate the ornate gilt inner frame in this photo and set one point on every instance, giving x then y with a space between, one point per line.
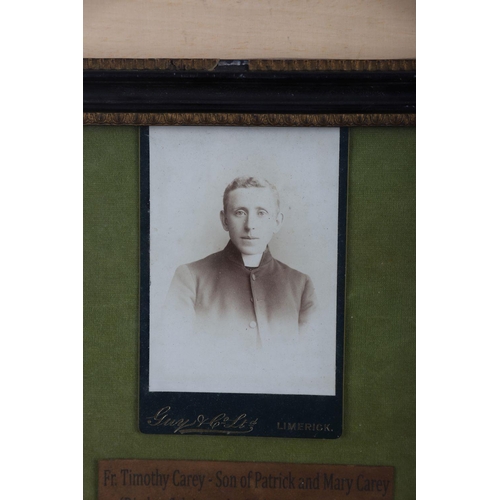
249 92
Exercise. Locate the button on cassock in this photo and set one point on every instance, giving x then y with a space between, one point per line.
253 324
253 276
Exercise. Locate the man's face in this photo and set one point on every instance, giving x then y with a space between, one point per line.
252 218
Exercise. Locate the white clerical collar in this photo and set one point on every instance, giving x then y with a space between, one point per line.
251 260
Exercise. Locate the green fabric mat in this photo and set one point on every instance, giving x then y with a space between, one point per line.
379 404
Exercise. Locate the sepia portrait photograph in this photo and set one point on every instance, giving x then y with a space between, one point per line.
243 238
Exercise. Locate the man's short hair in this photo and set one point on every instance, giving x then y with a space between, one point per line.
247 182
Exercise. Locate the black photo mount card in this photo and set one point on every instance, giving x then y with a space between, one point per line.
243 237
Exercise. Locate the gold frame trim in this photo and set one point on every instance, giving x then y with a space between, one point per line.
332 65
252 119
253 64
150 64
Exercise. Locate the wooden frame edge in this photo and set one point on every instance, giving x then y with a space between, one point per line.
103 64
252 119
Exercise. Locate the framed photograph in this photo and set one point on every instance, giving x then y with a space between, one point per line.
243 209
243 269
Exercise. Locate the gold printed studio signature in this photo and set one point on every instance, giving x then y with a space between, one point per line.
219 424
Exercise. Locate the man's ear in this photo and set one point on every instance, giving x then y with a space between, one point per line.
279 221
224 220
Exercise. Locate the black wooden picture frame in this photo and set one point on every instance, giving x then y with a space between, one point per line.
245 94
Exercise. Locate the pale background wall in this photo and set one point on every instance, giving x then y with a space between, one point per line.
250 29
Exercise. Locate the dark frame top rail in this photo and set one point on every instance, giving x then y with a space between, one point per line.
234 87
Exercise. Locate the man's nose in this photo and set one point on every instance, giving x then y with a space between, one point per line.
250 222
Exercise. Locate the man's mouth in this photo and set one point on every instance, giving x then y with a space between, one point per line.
249 238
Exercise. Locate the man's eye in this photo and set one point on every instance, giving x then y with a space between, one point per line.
262 213
239 213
